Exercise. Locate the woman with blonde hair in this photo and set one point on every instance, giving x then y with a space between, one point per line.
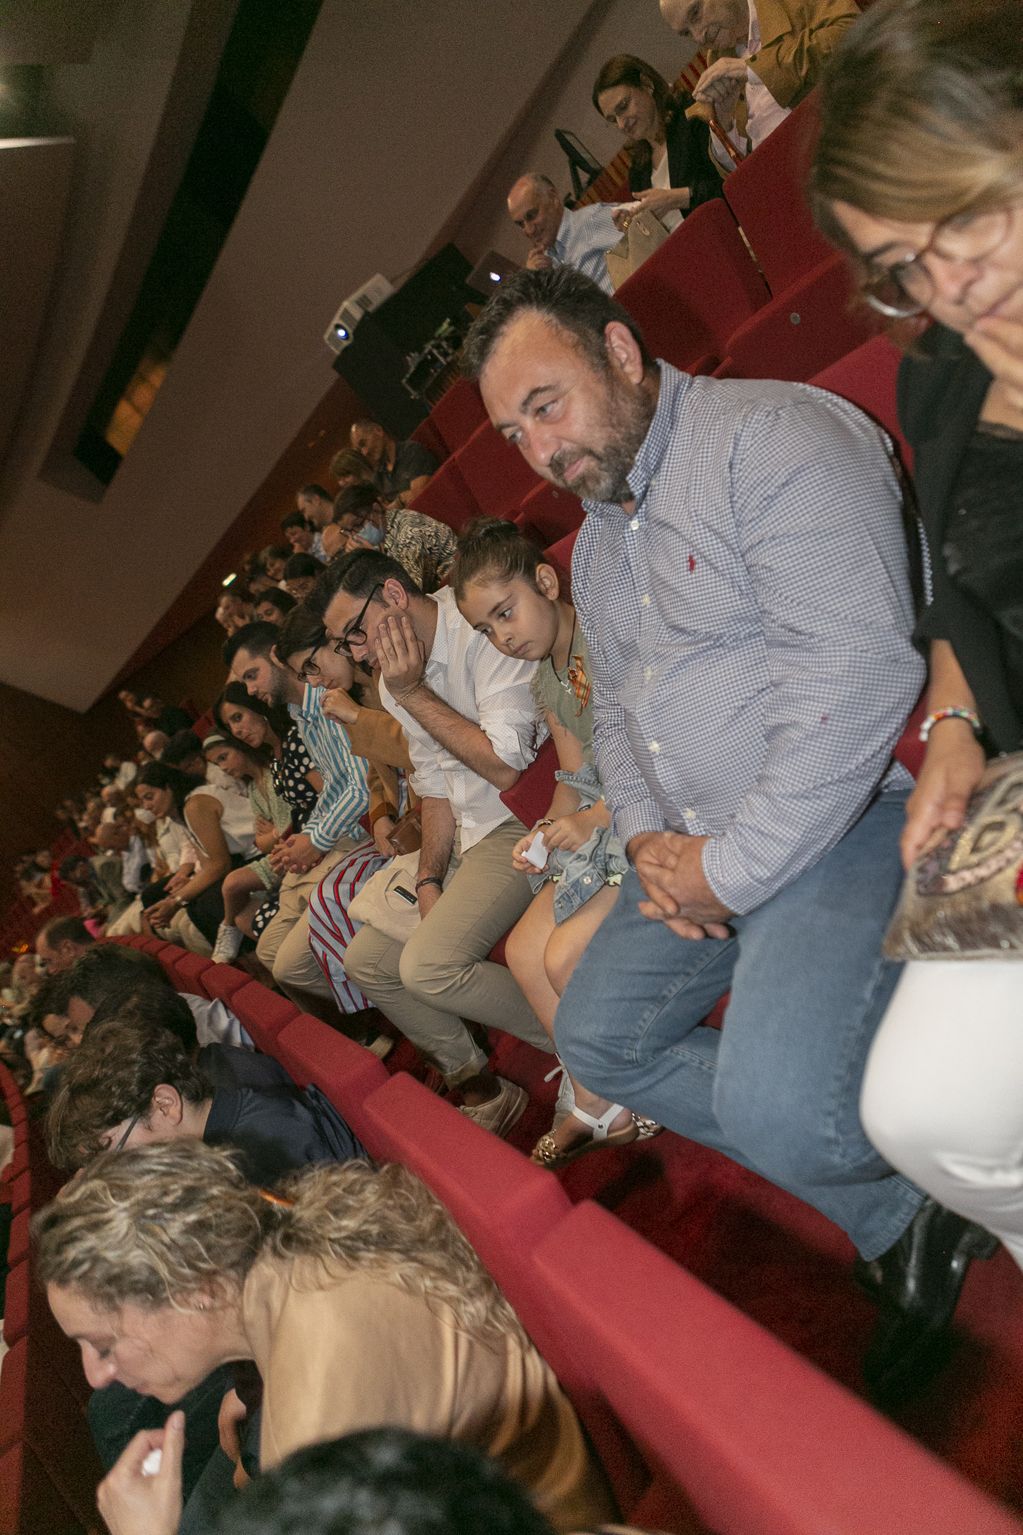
919 176
351 1289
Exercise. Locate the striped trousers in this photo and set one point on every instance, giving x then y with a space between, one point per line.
330 927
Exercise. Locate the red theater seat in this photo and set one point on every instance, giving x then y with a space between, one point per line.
729 1417
692 293
263 1014
314 1052
457 413
190 971
766 194
29 1502
495 473
560 555
223 981
446 497
868 376
530 798
813 323
548 514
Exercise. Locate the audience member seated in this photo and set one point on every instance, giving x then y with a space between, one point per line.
934 231
748 693
218 822
348 467
282 794
273 560
300 573
122 840
379 1479
423 545
165 717
332 833
509 594
317 507
302 537
79 872
274 606
353 1292
765 56
26 979
349 697
234 608
61 942
559 236
469 716
154 742
669 170
35 879
400 469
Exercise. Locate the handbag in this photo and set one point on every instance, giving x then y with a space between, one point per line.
384 900
643 236
407 836
963 898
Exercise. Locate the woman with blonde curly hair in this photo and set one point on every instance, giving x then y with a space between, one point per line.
351 1289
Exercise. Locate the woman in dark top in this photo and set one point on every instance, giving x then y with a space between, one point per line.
670 173
935 226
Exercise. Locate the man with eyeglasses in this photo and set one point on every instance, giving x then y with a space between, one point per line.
470 720
334 829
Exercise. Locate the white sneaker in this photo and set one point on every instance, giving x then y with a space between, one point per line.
501 1112
229 941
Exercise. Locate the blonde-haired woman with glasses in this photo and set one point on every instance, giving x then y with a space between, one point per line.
351 1289
919 175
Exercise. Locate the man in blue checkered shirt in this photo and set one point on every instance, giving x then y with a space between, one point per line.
741 580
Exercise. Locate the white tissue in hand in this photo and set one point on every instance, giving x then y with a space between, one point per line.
152 1463
536 852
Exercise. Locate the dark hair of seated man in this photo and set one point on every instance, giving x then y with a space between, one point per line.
384 1481
257 638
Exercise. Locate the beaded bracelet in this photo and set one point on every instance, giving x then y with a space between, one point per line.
431 879
973 720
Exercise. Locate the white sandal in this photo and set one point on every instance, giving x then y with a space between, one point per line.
547 1153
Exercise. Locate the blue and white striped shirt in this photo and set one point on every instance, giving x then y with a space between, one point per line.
345 797
749 625
584 237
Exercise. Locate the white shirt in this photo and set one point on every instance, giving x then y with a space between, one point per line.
671 218
764 114
215 1024
484 686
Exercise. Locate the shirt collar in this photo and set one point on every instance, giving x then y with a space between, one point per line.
440 650
309 708
560 242
673 389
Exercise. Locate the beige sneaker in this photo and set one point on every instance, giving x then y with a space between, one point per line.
380 1046
501 1112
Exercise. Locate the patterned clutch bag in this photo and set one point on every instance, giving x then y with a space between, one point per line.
964 898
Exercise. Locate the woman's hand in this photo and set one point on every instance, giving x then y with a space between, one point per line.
163 912
178 878
135 1504
658 200
998 342
952 770
382 829
339 705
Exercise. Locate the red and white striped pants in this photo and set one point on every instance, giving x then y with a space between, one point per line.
330 927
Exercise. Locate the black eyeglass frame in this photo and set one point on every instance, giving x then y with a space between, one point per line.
354 630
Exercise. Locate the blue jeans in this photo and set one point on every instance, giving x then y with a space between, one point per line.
777 1090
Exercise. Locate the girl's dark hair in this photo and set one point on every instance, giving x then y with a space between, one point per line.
356 500
302 629
302 565
627 69
157 775
278 719
498 550
274 552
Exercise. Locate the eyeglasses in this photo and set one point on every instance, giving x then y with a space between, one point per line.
906 289
309 668
354 633
124 1138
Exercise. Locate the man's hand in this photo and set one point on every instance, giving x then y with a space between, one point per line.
134 1504
382 829
671 872
538 260
721 85
428 897
951 771
295 855
401 654
339 705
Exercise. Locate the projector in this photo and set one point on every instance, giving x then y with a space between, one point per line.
341 330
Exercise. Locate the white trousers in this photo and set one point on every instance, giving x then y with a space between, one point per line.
943 1090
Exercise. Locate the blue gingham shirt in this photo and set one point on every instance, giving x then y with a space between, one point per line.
345 797
749 625
583 237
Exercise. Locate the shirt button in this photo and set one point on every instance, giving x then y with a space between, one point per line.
634 524
689 813
655 747
648 672
644 600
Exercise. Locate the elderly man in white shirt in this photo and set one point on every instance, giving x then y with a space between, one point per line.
470 719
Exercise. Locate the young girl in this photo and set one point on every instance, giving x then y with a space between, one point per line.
507 592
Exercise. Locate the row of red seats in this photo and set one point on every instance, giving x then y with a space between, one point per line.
691 1405
48 1467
